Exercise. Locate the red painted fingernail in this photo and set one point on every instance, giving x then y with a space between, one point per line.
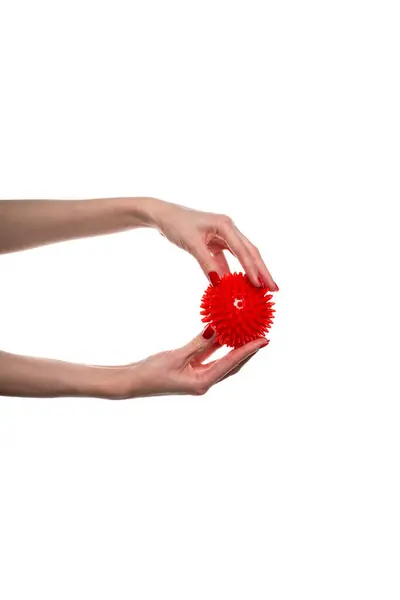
208 332
214 277
264 344
261 282
276 285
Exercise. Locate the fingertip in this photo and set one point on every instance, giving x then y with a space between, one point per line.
268 282
272 287
214 277
255 279
208 332
265 343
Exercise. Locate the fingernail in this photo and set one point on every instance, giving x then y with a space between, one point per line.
276 287
261 282
214 277
208 332
264 344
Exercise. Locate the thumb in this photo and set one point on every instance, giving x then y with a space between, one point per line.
207 263
200 344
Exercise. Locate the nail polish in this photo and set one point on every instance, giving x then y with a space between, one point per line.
261 282
208 332
214 277
264 344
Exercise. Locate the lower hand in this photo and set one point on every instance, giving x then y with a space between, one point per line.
182 371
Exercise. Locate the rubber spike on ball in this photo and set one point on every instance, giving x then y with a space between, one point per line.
238 311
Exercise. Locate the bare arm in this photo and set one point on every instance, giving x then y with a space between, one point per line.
28 376
29 223
178 371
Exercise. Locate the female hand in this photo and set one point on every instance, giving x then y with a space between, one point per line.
181 371
206 235
177 372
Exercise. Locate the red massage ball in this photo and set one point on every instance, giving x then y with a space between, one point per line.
237 310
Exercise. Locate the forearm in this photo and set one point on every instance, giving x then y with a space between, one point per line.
29 223
28 376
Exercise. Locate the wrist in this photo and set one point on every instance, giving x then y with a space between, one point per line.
141 211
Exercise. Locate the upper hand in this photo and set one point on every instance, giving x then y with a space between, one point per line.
206 235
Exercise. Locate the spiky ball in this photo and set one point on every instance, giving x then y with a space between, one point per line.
237 310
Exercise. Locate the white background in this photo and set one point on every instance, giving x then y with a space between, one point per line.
282 482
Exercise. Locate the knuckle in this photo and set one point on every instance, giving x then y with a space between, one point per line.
200 388
226 221
201 391
197 343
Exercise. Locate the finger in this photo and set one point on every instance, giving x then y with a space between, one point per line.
199 345
238 368
220 368
208 263
202 356
223 266
232 237
211 363
265 275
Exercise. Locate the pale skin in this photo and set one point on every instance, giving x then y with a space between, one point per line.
27 224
